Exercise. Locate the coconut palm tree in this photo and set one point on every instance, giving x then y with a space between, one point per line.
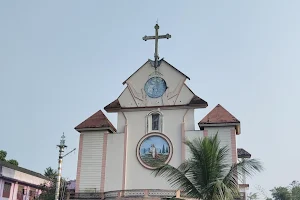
207 175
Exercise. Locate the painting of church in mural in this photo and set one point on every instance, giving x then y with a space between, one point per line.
155 115
153 150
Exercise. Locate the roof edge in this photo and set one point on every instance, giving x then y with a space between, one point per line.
135 71
237 126
169 107
95 129
160 60
24 170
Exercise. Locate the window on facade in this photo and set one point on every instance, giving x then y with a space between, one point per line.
20 192
6 190
155 121
31 194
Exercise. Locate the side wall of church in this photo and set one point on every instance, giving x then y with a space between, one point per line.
114 162
92 150
172 128
226 137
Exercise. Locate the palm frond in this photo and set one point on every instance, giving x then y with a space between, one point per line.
177 177
207 174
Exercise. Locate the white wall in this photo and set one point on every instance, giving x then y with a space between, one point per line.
121 123
176 94
114 162
11 173
91 160
184 96
190 135
224 135
139 177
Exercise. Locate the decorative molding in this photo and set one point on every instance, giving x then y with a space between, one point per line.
103 162
182 140
125 153
79 163
175 91
138 194
149 121
134 93
205 133
134 193
233 146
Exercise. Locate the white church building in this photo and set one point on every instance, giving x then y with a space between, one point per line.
155 115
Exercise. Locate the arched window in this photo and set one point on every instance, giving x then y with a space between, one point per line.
154 121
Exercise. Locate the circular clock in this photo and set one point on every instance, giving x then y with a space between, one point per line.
155 87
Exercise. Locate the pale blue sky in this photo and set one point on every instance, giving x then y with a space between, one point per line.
61 61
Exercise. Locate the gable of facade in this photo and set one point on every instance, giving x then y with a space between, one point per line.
150 88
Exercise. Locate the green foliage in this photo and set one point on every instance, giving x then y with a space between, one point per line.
13 162
292 192
252 196
49 191
3 155
207 174
50 173
295 190
281 193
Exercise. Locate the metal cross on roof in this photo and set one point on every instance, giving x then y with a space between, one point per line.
156 37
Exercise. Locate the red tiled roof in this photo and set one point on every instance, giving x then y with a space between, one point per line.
196 102
115 105
97 120
219 115
242 153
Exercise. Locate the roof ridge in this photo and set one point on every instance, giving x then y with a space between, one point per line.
219 115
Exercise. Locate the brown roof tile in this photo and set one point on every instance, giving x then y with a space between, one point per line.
97 120
115 105
219 115
242 153
196 102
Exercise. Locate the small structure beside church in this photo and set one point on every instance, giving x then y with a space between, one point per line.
155 115
17 183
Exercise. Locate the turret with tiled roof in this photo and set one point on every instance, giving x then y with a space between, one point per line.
219 116
98 121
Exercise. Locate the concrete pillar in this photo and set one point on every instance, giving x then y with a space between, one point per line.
11 193
1 187
15 191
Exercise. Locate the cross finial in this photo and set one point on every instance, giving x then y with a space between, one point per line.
156 37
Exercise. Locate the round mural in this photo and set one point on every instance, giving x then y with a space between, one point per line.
154 149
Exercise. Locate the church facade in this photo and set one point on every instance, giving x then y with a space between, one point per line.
155 115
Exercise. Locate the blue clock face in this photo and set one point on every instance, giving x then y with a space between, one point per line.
155 87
